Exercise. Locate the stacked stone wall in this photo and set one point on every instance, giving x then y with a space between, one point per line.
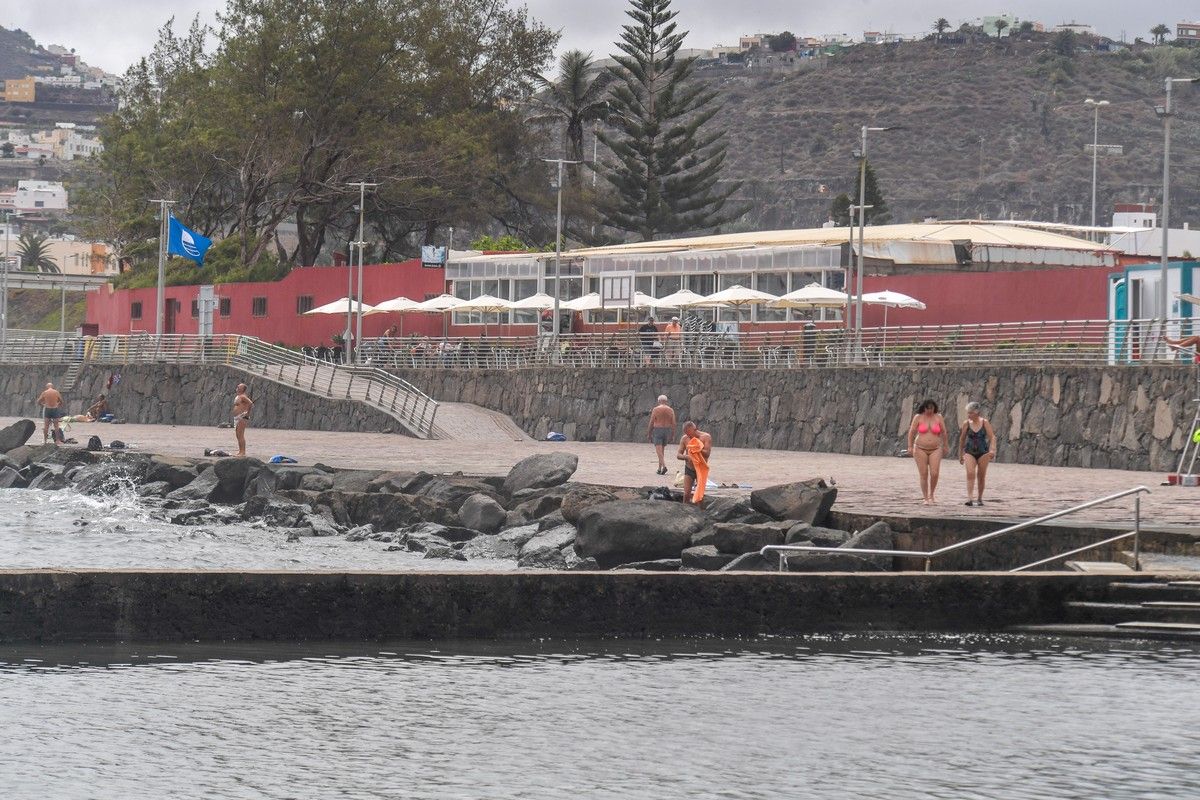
1114 417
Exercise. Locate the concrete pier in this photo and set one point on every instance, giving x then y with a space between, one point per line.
151 605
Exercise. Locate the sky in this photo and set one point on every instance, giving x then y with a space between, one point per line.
114 34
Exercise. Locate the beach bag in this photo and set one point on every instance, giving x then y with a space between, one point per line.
555 436
94 443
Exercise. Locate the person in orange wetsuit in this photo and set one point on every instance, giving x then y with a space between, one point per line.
694 450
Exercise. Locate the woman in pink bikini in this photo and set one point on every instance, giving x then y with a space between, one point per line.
928 442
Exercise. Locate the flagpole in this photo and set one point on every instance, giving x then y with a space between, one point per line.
160 296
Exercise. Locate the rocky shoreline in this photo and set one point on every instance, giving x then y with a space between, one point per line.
535 515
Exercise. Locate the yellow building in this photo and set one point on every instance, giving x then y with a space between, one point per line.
19 90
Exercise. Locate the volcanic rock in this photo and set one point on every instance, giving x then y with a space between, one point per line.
623 531
541 469
582 497
805 501
482 513
16 434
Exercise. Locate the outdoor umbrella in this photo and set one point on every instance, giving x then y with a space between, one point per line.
487 304
812 296
888 300
340 306
396 305
736 296
441 304
588 302
681 299
538 302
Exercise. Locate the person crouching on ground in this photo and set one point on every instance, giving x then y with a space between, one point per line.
661 430
976 449
928 442
694 450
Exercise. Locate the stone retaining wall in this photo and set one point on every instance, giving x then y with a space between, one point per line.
147 605
174 394
1116 417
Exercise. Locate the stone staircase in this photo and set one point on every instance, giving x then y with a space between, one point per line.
1149 609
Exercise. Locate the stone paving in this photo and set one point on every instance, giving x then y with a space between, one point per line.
870 484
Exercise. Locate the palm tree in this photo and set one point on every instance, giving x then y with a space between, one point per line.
1160 33
1001 25
34 253
576 96
941 26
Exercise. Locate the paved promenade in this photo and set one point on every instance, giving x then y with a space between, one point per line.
866 483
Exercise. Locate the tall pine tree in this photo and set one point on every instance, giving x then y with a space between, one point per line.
667 164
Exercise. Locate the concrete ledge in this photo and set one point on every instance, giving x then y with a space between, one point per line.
149 605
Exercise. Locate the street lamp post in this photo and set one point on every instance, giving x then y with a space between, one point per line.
8 215
862 223
362 198
558 247
1164 259
1095 104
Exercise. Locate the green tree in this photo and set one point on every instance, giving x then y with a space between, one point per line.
782 42
1026 27
940 26
1160 32
877 211
1065 43
668 161
1001 26
7 150
34 252
575 97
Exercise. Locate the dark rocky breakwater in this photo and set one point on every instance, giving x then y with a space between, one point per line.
535 515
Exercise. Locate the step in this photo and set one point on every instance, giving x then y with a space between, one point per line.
1182 605
1139 592
1188 629
1162 562
1099 567
1123 631
1086 611
1185 584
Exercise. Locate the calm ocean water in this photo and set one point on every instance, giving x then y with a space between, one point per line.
853 717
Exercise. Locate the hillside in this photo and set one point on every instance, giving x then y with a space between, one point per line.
20 55
790 134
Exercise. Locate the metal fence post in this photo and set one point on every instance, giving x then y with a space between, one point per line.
1137 533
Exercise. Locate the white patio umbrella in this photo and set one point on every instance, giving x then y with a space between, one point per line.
814 295
588 302
486 304
538 302
681 299
889 299
443 302
737 296
340 306
395 305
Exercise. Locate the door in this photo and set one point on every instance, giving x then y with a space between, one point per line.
1120 326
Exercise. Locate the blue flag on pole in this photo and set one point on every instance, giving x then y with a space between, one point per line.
182 241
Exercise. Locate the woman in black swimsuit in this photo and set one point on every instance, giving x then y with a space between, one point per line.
976 449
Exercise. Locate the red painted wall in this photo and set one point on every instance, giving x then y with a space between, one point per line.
110 309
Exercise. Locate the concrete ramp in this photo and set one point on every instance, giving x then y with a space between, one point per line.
468 421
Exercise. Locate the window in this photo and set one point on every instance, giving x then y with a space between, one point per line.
258 306
773 283
304 303
195 309
737 313
521 289
226 307
39 203
135 310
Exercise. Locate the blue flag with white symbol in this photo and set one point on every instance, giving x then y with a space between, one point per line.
182 241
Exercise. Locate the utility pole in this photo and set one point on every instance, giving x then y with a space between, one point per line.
558 248
8 215
862 223
362 197
160 296
1096 104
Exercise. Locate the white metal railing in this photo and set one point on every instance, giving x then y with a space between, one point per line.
783 549
1052 342
375 387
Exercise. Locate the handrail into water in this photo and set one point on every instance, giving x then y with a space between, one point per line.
1137 491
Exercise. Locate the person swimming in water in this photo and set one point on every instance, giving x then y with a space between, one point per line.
928 442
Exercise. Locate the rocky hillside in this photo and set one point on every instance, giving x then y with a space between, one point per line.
20 55
989 129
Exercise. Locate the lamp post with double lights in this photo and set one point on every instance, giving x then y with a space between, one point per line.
862 223
355 335
1096 105
1164 111
558 248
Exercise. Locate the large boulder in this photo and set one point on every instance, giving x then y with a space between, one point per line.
818 536
389 512
541 470
557 538
877 537
738 537
704 557
175 471
804 501
233 475
494 547
199 488
520 535
482 513
453 490
16 434
623 531
581 497
727 509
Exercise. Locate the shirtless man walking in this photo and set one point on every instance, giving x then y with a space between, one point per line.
694 441
241 416
52 411
661 430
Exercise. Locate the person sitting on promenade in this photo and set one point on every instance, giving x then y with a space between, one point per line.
99 408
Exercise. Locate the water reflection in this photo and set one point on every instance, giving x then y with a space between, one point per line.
829 716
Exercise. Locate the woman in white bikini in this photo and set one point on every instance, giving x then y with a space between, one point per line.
976 449
928 442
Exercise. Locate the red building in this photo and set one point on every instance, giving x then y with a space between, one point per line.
274 311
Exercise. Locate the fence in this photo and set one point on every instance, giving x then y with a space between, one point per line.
380 389
1095 342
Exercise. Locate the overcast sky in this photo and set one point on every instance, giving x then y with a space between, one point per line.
112 35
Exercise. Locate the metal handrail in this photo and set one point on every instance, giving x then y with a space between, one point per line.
1137 491
1043 342
377 388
